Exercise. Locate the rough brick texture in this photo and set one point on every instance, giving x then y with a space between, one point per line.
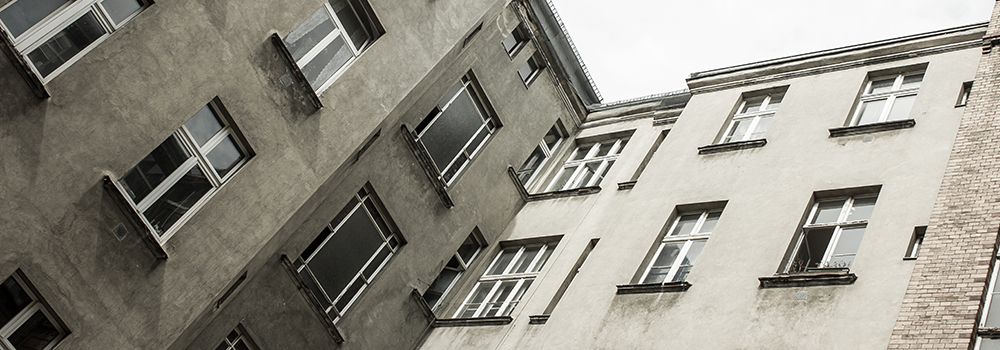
943 298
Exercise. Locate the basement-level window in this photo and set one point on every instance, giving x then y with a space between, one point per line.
681 246
330 39
588 165
503 284
454 269
52 34
175 179
26 323
832 234
342 261
457 128
887 97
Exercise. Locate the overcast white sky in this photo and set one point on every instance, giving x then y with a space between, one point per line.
635 48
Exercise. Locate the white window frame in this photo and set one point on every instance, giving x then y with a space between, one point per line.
241 335
391 240
577 166
6 330
489 126
838 227
198 158
58 20
688 240
463 266
507 305
991 289
546 152
889 96
322 44
765 111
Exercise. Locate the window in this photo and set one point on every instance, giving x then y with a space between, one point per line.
457 128
515 41
505 281
52 34
588 165
173 181
237 340
832 234
963 97
989 320
330 39
752 118
458 264
887 98
531 68
342 261
541 153
25 322
917 240
680 247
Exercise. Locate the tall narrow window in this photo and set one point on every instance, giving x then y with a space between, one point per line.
963 97
457 128
887 98
454 269
237 340
588 165
505 281
752 118
680 247
330 39
832 234
989 319
173 181
515 41
541 153
52 34
342 261
25 322
531 69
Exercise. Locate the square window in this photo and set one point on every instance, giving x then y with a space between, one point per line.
25 321
454 269
237 339
754 115
541 153
505 281
517 39
330 39
531 68
887 98
347 255
52 34
457 128
681 246
172 182
832 234
588 164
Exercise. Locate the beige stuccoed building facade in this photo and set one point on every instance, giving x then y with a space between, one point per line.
366 174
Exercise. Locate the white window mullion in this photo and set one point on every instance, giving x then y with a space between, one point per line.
677 262
751 128
830 246
484 305
167 183
313 52
513 261
989 294
506 302
354 50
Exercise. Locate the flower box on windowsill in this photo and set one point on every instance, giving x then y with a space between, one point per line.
812 277
668 287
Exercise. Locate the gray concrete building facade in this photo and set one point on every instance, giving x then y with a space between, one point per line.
365 174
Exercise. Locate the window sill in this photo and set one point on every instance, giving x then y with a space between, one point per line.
303 83
424 159
331 328
807 279
909 258
531 197
422 304
134 218
870 128
991 332
22 67
669 287
626 185
538 319
732 146
473 321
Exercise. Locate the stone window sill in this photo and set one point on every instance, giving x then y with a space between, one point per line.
991 332
134 218
669 287
473 321
317 309
538 319
731 146
871 128
807 279
626 185
425 162
303 83
531 197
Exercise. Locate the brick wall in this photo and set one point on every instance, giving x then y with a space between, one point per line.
943 298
